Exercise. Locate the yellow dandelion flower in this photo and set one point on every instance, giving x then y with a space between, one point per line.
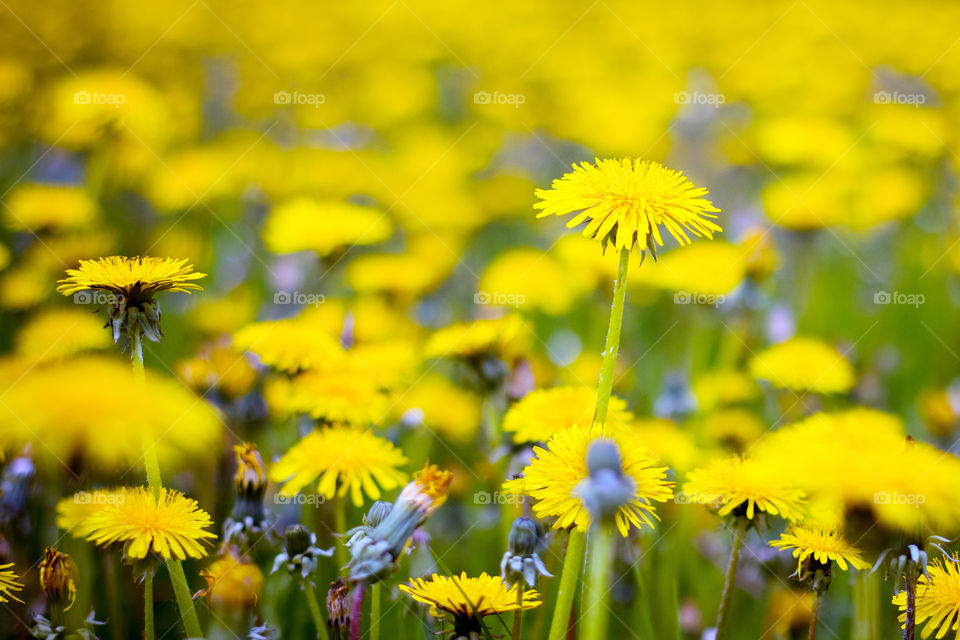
135 279
441 406
552 477
170 525
306 224
545 412
9 583
504 338
532 279
59 333
721 388
625 201
804 364
823 544
345 459
351 395
734 427
233 582
468 599
735 485
43 207
220 368
711 270
433 482
73 512
291 345
938 599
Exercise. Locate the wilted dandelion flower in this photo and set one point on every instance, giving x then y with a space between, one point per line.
555 473
9 583
132 283
58 578
544 412
345 459
171 525
468 600
233 582
938 599
625 201
804 364
735 485
819 543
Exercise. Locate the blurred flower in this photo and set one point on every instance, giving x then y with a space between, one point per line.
220 368
744 487
545 412
720 388
9 583
705 272
133 282
348 394
804 364
73 511
345 459
441 406
338 608
44 207
552 478
171 525
306 224
626 201
468 599
233 582
291 345
938 598
58 578
760 252
248 518
531 279
937 411
736 428
58 333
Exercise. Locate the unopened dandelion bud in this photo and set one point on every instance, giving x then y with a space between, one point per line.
300 555
58 578
378 512
521 562
524 536
250 482
297 539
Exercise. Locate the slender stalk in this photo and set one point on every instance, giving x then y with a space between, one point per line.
814 616
730 581
910 619
865 598
181 588
572 561
375 611
356 610
315 611
148 631
340 524
612 347
594 607
518 614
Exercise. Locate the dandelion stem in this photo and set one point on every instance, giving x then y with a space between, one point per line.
612 346
814 616
356 610
148 632
340 526
572 561
518 614
315 611
375 611
594 608
179 579
730 581
910 614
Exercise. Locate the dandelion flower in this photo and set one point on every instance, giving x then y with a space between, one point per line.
553 476
9 583
625 201
291 345
72 512
171 525
804 364
734 485
542 413
500 337
938 599
305 224
44 207
349 394
59 333
233 582
345 459
823 544
469 599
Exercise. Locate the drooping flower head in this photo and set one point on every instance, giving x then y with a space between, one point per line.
9 583
744 487
938 599
468 600
625 201
345 459
132 284
553 477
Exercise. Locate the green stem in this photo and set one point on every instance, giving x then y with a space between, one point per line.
612 346
814 615
594 607
179 579
865 597
148 632
729 582
518 614
572 561
340 526
315 612
375 611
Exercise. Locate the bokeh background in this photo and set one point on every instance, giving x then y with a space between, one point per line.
377 162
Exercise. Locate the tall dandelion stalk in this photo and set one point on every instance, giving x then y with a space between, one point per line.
623 202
